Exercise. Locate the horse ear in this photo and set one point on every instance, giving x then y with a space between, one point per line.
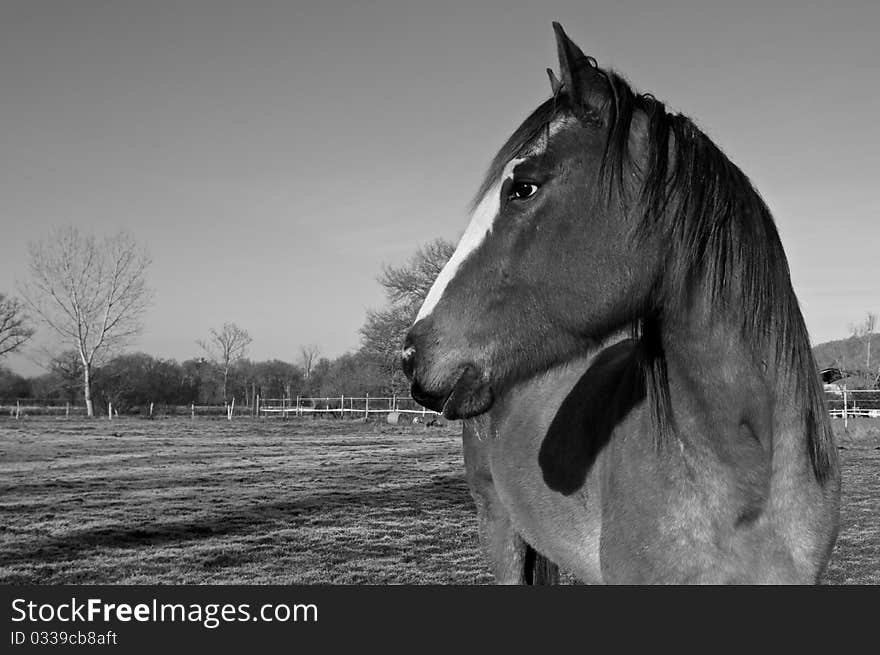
555 84
581 77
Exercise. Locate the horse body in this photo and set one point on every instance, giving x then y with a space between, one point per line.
713 510
697 450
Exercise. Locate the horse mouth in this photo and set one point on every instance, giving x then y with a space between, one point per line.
470 396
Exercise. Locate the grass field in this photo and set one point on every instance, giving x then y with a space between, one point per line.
285 502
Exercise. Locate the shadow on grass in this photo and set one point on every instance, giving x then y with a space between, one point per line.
442 492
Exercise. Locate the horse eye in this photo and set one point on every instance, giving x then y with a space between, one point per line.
523 190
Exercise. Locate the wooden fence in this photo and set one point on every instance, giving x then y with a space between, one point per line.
329 406
853 403
341 406
842 403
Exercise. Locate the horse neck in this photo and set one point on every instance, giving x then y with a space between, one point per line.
732 378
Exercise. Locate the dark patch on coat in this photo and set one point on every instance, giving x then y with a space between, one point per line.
612 386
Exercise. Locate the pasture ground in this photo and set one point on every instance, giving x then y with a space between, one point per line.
177 501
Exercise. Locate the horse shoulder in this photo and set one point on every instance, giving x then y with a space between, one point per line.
608 391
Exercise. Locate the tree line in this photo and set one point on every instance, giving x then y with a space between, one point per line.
132 381
91 294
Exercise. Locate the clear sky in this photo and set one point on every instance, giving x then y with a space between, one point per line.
273 155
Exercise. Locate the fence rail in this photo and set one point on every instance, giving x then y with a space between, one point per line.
843 403
853 403
332 406
353 406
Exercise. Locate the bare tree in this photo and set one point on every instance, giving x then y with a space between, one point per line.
308 356
869 326
14 327
382 335
91 292
409 284
406 287
864 331
225 347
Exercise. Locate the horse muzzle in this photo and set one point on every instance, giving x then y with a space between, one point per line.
463 393
469 396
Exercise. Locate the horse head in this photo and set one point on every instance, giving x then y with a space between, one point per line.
548 265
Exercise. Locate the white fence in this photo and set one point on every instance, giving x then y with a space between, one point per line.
842 403
341 406
852 403
328 406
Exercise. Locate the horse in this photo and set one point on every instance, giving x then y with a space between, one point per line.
698 448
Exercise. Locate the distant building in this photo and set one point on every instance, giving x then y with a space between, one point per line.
833 374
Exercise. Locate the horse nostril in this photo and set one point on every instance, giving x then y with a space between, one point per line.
408 360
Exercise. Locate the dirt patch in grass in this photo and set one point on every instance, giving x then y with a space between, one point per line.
284 502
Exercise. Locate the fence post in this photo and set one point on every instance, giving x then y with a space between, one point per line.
845 413
17 409
342 406
109 411
393 402
192 410
67 410
367 407
297 406
257 405
230 410
151 410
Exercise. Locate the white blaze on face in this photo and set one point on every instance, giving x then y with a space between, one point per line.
542 141
480 226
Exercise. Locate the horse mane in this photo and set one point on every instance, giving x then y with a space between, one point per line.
718 231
